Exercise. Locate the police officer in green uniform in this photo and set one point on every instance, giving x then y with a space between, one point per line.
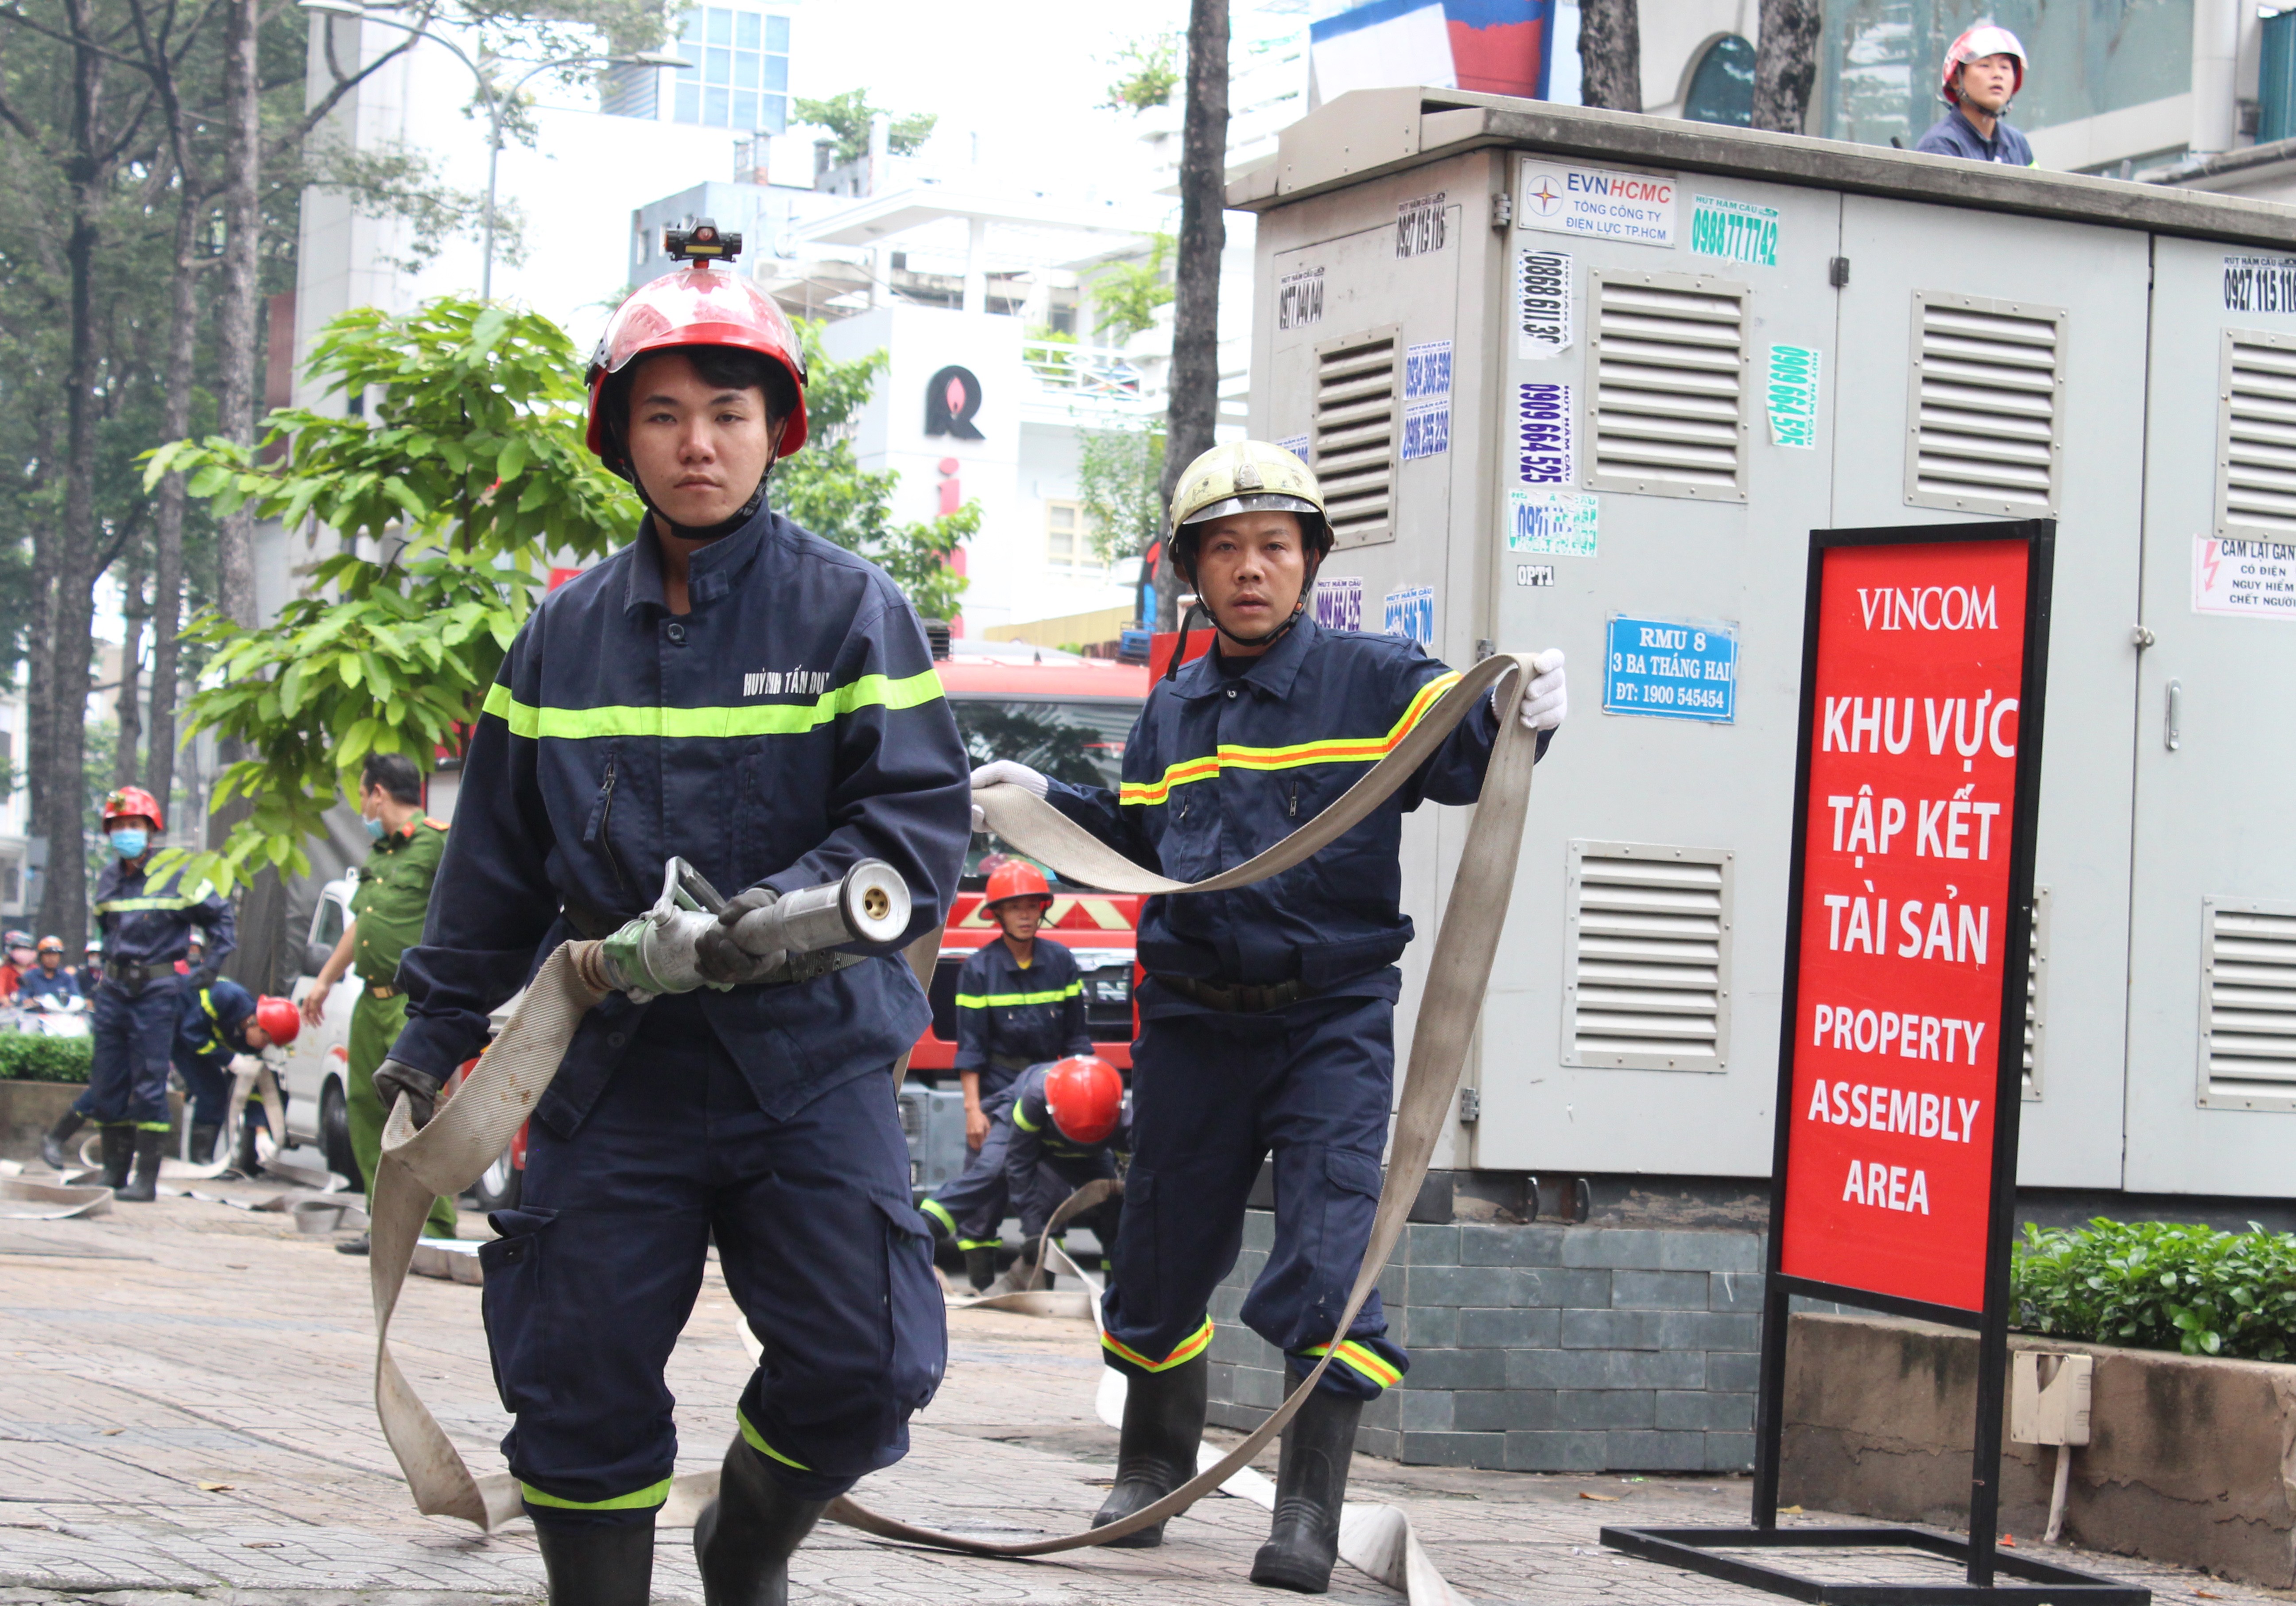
387 912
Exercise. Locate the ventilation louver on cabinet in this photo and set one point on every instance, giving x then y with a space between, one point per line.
1647 978
1665 413
2037 993
1358 406
2248 1006
1985 413
2256 436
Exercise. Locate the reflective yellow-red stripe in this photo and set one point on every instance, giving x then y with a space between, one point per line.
1332 750
1189 1349
1361 1359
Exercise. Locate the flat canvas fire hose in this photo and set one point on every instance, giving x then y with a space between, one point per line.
478 1123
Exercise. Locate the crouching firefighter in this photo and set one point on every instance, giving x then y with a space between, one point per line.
1019 1002
732 690
1067 1126
1267 1015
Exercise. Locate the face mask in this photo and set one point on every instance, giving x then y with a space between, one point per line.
128 844
374 829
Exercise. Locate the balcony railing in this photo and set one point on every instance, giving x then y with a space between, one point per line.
1082 371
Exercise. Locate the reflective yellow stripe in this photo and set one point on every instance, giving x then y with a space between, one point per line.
760 718
1358 1358
980 1243
1334 750
1189 1349
940 1213
757 1441
651 1494
134 906
1005 1001
1020 1116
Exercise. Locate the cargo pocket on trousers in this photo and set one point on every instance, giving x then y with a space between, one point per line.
1350 1199
916 1321
514 1300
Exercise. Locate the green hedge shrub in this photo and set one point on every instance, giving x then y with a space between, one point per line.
25 1058
2153 1285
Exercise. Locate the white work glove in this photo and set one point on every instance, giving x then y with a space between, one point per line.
1544 702
1005 772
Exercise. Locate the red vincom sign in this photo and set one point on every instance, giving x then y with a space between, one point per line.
1906 901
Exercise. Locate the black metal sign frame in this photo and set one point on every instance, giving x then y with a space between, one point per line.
1702 1548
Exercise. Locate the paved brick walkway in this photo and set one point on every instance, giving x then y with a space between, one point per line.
187 1410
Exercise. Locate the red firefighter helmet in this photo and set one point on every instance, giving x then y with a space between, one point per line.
1986 39
698 305
125 803
279 1019
1085 1096
1015 878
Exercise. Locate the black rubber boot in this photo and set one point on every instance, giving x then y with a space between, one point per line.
746 1535
597 1564
1311 1484
245 1160
118 1150
981 1269
1163 1424
203 1142
146 1187
52 1142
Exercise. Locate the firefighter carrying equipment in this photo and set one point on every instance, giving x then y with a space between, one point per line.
1084 1098
475 1126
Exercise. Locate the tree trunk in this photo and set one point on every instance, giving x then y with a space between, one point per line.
235 313
1785 65
1194 386
134 610
167 537
1610 54
64 889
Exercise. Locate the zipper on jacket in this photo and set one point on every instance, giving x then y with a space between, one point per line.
1291 809
602 823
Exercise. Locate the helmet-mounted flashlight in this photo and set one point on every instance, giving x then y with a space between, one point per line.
702 243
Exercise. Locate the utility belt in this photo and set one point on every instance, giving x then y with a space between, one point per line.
129 978
377 990
799 967
1014 1063
1236 998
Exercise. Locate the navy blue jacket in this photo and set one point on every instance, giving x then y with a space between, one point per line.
1953 135
1022 1017
786 728
62 985
1221 767
212 1026
147 919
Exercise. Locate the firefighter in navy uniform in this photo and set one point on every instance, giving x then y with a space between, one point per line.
218 1022
1019 1002
1267 1016
733 690
1068 1126
147 922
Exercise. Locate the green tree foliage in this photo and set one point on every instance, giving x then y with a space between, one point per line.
24 1058
1119 474
468 473
848 116
1147 70
825 489
1126 295
2155 1285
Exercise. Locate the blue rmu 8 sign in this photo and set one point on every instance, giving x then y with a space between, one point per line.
1672 670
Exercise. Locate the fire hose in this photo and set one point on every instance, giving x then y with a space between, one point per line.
655 954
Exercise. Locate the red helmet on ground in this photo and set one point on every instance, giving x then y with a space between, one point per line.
1986 39
1085 1096
698 305
1016 879
125 803
279 1019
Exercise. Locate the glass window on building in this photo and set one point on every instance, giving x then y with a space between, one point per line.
740 76
1881 60
629 90
1722 88
1067 545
